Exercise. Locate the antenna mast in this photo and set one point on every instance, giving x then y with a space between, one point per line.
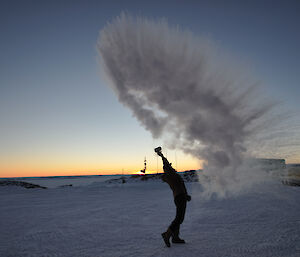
145 166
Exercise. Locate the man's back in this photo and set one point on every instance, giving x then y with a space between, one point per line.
175 182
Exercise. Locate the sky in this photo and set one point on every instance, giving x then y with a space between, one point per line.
58 116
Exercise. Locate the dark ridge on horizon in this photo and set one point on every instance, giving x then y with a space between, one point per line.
20 184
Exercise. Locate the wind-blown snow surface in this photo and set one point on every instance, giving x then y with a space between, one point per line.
114 220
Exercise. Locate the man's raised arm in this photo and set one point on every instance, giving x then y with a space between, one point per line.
167 166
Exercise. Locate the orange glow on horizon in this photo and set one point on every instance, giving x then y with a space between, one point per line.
31 173
45 169
45 164
39 170
78 172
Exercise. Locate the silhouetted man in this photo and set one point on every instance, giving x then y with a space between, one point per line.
176 183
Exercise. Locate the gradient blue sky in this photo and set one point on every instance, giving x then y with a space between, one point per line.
58 117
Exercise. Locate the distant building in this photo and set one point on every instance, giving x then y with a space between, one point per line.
274 166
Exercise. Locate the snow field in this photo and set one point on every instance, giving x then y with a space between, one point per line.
118 220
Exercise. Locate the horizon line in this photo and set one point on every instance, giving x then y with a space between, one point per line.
85 175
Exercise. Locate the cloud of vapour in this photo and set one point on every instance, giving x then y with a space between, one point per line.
178 87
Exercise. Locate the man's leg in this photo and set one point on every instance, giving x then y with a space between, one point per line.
180 202
175 237
173 229
166 237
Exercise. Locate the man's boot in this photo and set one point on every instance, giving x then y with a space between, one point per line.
175 237
166 237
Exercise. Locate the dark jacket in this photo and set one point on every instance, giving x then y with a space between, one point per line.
174 180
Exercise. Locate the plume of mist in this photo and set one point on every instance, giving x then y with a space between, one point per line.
179 88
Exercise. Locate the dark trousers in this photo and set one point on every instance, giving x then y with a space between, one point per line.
180 202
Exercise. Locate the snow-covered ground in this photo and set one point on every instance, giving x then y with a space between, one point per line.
100 219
